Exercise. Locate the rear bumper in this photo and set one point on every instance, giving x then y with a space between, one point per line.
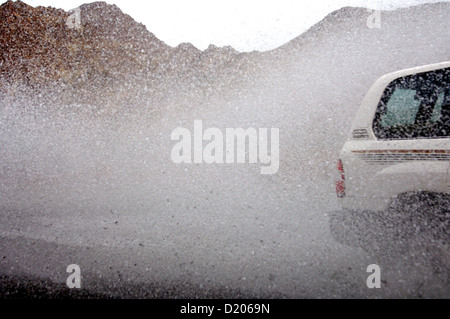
364 203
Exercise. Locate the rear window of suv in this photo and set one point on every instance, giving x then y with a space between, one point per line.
415 106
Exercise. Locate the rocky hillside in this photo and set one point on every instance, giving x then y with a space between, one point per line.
109 56
116 63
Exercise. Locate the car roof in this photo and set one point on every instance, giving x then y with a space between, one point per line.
419 69
364 116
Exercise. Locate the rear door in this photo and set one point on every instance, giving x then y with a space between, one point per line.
412 127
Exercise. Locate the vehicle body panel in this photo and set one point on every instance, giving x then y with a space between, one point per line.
378 170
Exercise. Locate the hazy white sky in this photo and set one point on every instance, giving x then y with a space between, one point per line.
244 24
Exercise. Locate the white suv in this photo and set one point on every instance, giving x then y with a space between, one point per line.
399 148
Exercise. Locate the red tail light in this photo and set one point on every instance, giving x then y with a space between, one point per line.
340 183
